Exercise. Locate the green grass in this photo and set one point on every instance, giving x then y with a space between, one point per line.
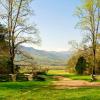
57 72
68 75
43 91
79 77
36 90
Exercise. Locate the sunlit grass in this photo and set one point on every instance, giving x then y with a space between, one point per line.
44 91
36 90
57 72
71 75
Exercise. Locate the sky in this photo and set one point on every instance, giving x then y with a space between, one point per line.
56 22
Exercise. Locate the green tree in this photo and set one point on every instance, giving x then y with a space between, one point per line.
4 55
80 65
15 14
89 15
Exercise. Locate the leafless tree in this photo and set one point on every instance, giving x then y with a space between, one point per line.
16 14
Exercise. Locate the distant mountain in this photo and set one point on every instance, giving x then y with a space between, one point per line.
47 57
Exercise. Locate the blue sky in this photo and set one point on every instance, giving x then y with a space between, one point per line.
56 22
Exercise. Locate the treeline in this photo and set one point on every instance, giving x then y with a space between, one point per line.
81 62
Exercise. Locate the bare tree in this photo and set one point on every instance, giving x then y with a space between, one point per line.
16 16
89 15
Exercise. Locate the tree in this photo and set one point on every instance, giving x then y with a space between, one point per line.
4 55
80 65
89 15
15 16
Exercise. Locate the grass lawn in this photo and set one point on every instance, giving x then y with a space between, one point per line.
36 90
70 75
42 91
57 72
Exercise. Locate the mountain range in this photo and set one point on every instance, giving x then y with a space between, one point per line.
47 57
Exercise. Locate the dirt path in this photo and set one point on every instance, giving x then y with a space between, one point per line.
63 82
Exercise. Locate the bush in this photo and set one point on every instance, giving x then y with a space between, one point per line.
40 78
5 78
21 77
81 65
41 73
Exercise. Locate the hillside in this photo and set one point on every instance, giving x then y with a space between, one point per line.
47 57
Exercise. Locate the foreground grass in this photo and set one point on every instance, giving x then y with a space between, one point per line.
37 90
43 91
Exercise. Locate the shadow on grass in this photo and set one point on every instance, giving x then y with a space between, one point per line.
24 85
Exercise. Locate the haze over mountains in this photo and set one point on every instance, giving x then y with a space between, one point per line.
47 57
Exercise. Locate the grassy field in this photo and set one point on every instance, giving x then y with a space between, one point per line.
57 72
37 90
43 91
70 75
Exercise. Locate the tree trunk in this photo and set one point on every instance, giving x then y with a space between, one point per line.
12 65
94 64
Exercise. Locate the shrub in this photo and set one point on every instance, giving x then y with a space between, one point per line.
5 78
40 78
81 65
21 77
